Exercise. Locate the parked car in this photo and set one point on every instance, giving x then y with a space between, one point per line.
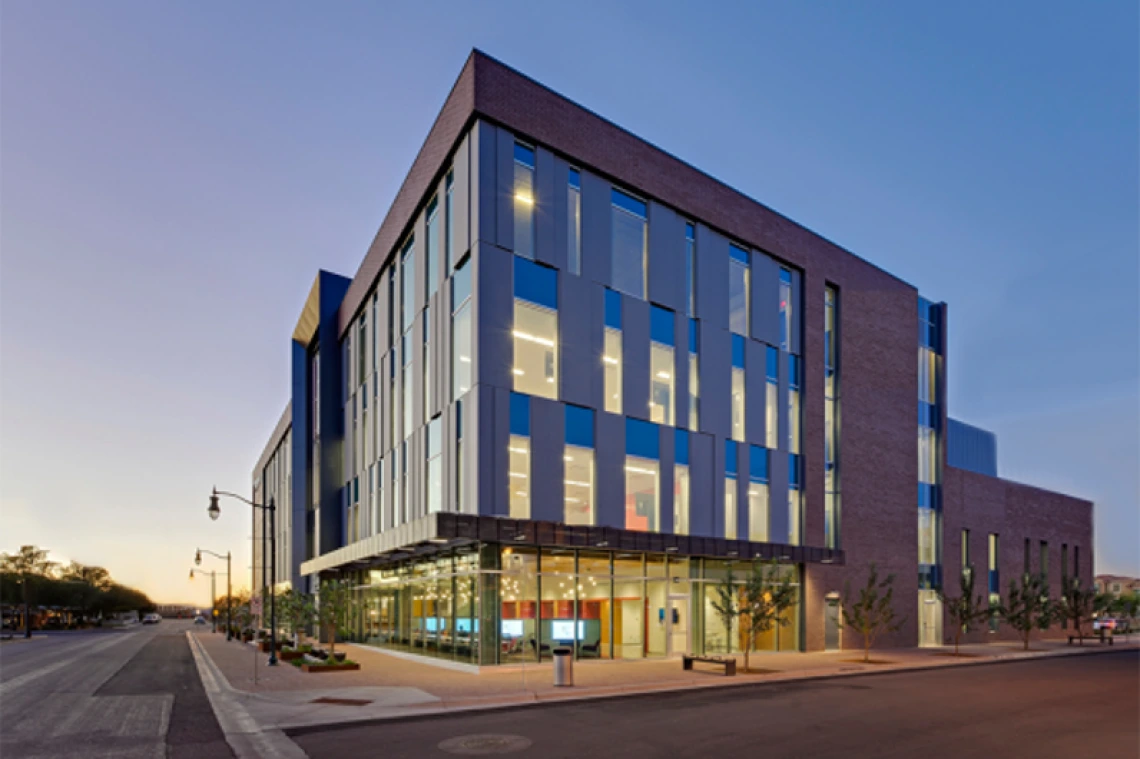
199 620
1111 625
151 619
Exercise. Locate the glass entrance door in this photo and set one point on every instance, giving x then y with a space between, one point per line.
930 618
677 622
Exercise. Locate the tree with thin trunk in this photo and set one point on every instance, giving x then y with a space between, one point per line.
726 604
29 560
1027 606
768 594
871 613
334 609
297 611
965 609
1078 605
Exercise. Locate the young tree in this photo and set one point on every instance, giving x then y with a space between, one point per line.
768 594
871 613
296 609
334 607
965 609
1077 605
1027 606
726 604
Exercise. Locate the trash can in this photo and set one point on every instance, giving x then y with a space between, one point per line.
564 666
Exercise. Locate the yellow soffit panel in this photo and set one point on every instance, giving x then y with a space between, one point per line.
310 315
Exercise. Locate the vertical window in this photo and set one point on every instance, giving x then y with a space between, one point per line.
795 500
448 225
461 330
524 201
831 505
786 314
965 550
519 459
407 317
612 356
405 495
694 377
739 281
574 222
1064 565
1043 561
379 474
994 581
691 267
730 463
737 387
579 466
460 466
427 359
630 222
681 483
361 354
661 324
758 494
926 525
794 372
407 351
536 329
771 403
434 474
642 467
1027 568
431 246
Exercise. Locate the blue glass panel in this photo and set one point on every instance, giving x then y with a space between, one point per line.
785 276
613 309
629 203
575 179
758 463
693 341
536 283
681 446
642 439
739 254
461 284
794 371
355 489
459 420
661 325
738 351
794 471
520 414
524 155
690 231
995 583
579 426
772 361
730 459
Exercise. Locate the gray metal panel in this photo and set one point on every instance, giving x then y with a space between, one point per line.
547 447
742 484
461 201
712 278
382 324
784 426
667 258
472 436
681 370
494 315
635 357
447 457
755 391
548 194
492 429
441 272
701 485
715 367
717 478
441 349
418 416
778 497
559 212
420 232
579 362
383 403
484 186
609 467
668 444
597 224
505 189
765 298
795 339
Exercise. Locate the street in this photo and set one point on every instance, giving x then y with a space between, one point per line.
132 693
1067 707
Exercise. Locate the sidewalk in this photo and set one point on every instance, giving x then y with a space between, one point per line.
389 687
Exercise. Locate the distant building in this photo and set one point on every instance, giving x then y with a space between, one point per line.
1117 585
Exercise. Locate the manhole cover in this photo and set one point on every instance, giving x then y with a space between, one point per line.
341 701
481 745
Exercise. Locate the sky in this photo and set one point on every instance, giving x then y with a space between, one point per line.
173 175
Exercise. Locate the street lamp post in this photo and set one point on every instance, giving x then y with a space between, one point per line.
214 510
229 587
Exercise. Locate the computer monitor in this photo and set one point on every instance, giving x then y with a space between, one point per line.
564 630
512 628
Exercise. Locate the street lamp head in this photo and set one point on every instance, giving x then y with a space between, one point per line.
214 510
191 574
198 557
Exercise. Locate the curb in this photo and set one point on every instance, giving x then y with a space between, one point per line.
247 739
533 700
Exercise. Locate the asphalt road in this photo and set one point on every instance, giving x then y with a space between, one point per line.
1087 706
129 693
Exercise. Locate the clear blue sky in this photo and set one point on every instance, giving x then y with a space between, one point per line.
173 175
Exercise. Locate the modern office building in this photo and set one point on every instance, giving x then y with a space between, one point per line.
575 380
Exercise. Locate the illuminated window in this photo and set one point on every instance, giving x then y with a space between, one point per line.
681 483
786 314
578 484
461 330
926 537
694 377
612 353
661 367
737 387
630 243
758 494
519 457
739 281
691 267
460 464
642 480
794 372
771 404
730 489
831 505
434 466
432 246
535 330
795 500
574 223
524 201
927 374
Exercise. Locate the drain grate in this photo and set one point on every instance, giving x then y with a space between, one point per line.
482 745
341 701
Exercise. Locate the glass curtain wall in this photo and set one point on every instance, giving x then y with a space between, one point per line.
831 503
642 476
524 200
535 329
694 377
738 386
518 450
630 243
661 347
758 494
578 482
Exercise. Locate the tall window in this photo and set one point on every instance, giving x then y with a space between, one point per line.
407 317
1043 561
691 267
994 581
448 224
794 372
574 222
772 389
730 464
694 377
661 367
965 552
461 330
786 314
434 474
427 358
519 457
524 201
681 483
642 467
579 466
536 329
739 282
630 243
432 246
831 419
758 494
405 488
611 356
795 500
926 538
737 387
460 465
361 353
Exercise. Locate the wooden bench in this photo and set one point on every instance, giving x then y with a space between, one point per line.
728 662
1102 638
